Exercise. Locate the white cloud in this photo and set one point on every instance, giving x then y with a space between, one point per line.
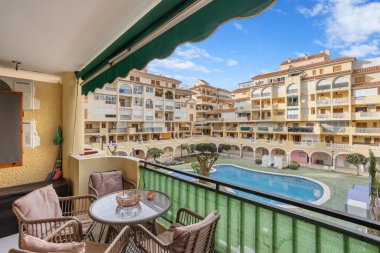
232 62
178 64
351 26
362 50
239 27
317 9
189 51
299 54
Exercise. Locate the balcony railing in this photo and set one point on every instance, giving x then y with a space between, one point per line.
91 130
293 91
342 115
266 94
169 108
300 129
293 104
278 129
216 128
118 131
339 101
231 129
263 129
248 223
340 146
367 130
331 129
323 116
255 95
125 117
370 114
323 102
245 129
293 116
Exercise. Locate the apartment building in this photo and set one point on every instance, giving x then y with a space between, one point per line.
140 107
208 99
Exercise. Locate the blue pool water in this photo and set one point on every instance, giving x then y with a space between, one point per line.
288 186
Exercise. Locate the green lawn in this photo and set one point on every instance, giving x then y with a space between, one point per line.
339 183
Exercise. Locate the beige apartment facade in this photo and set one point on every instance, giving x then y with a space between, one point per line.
314 110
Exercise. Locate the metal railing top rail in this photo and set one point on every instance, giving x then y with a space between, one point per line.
311 207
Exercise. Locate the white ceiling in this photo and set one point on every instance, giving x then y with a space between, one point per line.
54 36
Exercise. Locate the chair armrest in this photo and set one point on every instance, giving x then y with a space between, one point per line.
76 205
128 184
146 240
121 240
69 232
187 217
92 190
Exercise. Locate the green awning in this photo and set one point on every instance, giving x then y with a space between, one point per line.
292 96
196 27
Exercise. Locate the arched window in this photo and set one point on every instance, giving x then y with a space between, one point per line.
265 92
323 85
255 93
341 82
168 95
125 89
292 88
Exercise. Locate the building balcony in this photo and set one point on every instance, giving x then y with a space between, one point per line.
343 115
125 117
367 130
246 129
214 119
331 129
280 106
293 91
323 116
231 129
367 115
217 128
118 131
169 108
91 130
278 129
255 107
262 129
323 87
295 116
159 107
339 101
340 146
323 102
292 104
279 118
300 129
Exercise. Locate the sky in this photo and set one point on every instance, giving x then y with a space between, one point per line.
241 49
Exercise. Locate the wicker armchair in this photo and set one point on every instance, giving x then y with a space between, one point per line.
197 235
74 208
64 233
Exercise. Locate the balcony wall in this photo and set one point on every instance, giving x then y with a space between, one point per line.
251 225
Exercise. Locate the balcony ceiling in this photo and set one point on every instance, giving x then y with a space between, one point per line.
57 36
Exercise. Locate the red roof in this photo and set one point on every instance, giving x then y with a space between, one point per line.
300 59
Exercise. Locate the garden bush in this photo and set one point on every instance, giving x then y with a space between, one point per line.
258 161
293 166
296 163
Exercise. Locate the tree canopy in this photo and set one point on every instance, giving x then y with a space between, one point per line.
357 160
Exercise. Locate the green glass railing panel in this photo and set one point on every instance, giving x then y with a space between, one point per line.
247 226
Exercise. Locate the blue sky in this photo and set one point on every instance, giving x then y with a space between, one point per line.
241 49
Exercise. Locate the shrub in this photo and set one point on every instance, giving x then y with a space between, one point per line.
293 166
258 161
296 163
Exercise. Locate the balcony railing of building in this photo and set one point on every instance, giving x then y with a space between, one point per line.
168 107
340 146
323 102
300 129
375 148
231 129
118 130
246 129
341 115
91 130
324 87
333 129
304 143
370 114
153 129
340 85
323 116
263 129
138 116
278 129
293 116
125 91
149 106
125 117
250 222
339 101
266 94
255 95
255 107
161 107
367 130
149 117
214 119
292 104
217 128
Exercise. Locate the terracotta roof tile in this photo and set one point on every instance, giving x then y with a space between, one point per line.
369 69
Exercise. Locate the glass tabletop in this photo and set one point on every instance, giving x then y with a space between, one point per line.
106 210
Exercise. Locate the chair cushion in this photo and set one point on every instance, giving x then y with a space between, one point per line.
93 247
86 222
37 245
181 230
107 182
31 204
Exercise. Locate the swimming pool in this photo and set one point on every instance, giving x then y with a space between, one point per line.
295 187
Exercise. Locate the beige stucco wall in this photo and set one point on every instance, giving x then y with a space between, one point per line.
38 162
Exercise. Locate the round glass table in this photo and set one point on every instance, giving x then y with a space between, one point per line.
106 210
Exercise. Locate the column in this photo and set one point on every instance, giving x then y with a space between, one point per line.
72 120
